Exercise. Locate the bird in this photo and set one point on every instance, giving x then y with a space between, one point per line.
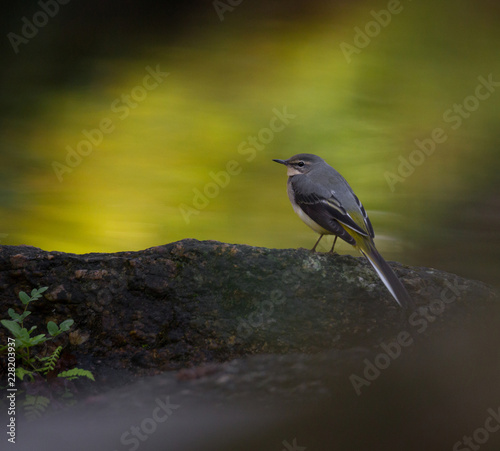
323 199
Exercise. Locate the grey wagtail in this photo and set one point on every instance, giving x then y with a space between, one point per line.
325 202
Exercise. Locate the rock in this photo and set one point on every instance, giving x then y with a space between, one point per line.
273 349
193 302
442 391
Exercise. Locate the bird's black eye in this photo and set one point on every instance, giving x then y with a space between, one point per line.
300 164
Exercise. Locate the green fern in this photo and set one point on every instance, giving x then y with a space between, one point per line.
35 406
68 398
50 361
75 373
31 366
21 372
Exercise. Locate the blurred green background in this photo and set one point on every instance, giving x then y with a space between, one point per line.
360 109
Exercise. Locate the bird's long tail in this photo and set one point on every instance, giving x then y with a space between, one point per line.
386 274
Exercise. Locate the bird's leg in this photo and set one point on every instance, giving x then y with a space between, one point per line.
333 245
314 248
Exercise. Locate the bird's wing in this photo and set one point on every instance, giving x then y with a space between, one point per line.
364 217
325 209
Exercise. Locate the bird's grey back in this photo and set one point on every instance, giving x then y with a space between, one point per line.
335 184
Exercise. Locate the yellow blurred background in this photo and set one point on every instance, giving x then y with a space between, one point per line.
356 93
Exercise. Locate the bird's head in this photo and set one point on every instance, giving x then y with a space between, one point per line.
301 163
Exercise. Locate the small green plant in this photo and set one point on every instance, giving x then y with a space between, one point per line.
76 373
35 406
26 340
32 364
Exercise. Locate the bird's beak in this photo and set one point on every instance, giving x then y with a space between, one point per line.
281 162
